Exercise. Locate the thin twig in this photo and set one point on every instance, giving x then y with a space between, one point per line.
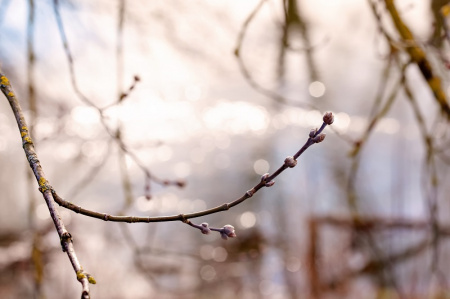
114 134
315 136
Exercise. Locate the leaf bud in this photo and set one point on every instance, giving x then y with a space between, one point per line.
319 138
328 118
290 162
227 232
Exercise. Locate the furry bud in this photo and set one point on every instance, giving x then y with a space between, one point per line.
319 138
328 118
227 232
290 162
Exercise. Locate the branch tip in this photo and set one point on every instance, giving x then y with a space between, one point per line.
328 118
227 232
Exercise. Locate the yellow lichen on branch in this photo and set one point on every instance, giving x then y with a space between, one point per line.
419 57
445 10
4 80
27 140
43 185
80 275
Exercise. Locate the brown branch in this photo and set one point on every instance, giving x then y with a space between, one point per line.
44 186
418 56
315 136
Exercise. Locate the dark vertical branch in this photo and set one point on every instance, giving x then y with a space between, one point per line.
294 22
312 259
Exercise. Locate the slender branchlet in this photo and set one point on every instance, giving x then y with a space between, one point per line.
114 134
266 180
227 231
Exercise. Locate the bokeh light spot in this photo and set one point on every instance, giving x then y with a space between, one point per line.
206 252
247 219
220 254
261 166
316 89
207 273
293 264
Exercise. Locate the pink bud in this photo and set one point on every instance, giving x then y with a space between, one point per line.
270 184
180 183
204 227
290 162
319 138
227 232
328 118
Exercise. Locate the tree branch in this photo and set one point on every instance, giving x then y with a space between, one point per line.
315 136
44 186
419 57
50 195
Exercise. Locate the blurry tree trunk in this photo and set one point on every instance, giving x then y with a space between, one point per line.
295 26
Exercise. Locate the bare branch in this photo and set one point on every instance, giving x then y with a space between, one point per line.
44 186
315 136
419 57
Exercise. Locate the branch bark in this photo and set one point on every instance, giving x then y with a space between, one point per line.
44 186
